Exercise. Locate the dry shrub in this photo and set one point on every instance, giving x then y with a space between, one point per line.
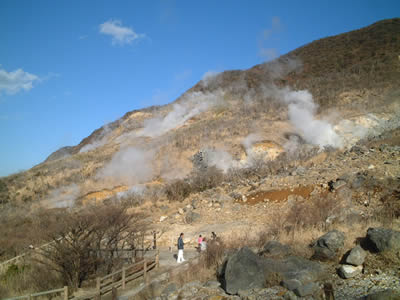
198 181
204 180
177 190
312 213
278 223
390 207
28 278
194 272
214 253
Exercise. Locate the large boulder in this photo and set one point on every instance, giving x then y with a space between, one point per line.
275 249
356 256
294 267
383 239
244 270
328 245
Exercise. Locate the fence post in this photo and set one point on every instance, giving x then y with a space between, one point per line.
123 277
145 271
157 259
98 283
114 294
65 292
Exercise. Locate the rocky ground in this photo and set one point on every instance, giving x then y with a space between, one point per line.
345 264
355 180
245 274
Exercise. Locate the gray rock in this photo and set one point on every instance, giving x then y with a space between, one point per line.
236 196
358 149
306 290
328 245
294 267
384 295
274 248
356 256
195 203
347 271
290 296
301 170
191 217
382 239
169 289
244 271
164 207
358 181
291 284
223 198
337 184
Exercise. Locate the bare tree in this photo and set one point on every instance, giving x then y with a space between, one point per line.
83 242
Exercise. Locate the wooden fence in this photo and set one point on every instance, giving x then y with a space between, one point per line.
63 291
120 278
108 283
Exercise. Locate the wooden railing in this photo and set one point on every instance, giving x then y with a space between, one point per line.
120 278
63 291
5 264
108 283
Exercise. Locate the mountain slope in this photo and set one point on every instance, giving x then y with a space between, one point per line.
233 114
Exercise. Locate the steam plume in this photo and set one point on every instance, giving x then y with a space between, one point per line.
129 166
190 106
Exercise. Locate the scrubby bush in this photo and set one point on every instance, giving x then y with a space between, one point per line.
197 181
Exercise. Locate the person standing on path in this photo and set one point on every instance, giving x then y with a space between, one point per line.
180 249
199 240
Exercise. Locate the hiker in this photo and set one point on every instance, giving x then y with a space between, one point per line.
199 240
213 235
203 245
180 249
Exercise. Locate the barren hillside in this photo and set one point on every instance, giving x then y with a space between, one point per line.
327 94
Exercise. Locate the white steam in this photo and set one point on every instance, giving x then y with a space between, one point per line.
209 77
100 141
249 140
133 191
190 106
301 112
129 166
63 197
220 159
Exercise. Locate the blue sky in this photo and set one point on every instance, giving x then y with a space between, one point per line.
69 67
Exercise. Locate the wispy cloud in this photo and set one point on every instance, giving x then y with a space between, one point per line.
15 81
276 26
270 53
83 37
120 35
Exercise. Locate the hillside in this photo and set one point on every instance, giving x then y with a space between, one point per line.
349 85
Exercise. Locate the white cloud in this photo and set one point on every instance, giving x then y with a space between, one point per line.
276 26
15 81
120 35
